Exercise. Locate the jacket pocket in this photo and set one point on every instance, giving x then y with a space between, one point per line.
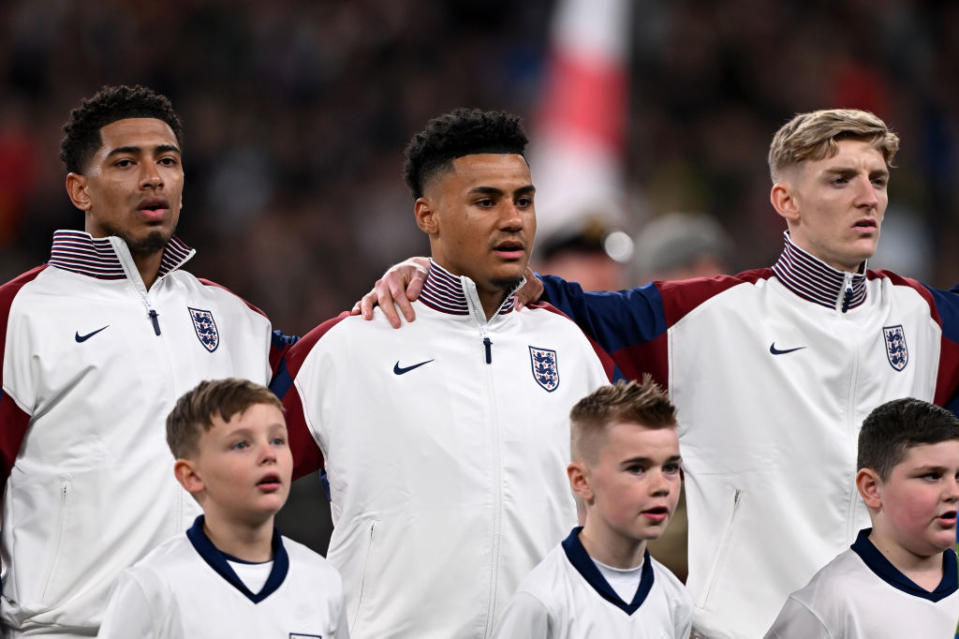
722 550
367 575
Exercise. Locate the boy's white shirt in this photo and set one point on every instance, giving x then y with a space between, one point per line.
558 601
860 594
180 591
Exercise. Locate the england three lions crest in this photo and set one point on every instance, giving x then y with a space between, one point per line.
205 327
545 367
896 350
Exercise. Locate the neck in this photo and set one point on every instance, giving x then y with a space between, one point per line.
149 266
925 571
249 542
491 301
610 548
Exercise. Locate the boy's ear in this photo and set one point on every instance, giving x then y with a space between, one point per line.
869 485
578 474
187 476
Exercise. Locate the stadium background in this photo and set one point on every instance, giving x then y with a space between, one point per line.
296 113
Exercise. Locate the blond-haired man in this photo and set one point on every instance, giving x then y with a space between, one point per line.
773 370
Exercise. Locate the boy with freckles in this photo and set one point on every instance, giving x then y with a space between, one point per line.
232 574
601 580
899 578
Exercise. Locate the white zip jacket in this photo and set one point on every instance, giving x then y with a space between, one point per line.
92 365
445 444
772 372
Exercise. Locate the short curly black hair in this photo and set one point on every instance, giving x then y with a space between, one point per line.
460 132
109 104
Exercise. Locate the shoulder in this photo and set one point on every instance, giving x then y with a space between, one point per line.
10 289
312 564
542 583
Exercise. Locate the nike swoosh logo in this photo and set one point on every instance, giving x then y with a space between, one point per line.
82 338
776 351
400 370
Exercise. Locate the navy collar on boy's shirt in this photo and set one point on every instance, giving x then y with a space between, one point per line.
878 563
584 565
217 560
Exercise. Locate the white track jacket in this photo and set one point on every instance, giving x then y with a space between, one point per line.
445 444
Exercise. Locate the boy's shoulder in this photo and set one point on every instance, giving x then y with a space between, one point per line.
313 564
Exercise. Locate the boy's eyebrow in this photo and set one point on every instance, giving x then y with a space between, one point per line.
648 461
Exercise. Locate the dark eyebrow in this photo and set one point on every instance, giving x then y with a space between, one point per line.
492 190
647 461
134 150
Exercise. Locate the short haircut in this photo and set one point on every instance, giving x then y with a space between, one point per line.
195 410
109 104
893 428
643 403
458 133
813 136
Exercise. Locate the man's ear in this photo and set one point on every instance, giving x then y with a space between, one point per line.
783 198
186 474
869 485
578 474
77 191
426 218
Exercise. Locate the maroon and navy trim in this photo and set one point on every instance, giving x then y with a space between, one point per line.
13 421
815 281
584 565
307 456
79 252
443 292
883 568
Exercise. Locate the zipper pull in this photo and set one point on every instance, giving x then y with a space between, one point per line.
846 299
156 322
489 352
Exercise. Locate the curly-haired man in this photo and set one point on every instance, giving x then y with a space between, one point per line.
96 346
445 444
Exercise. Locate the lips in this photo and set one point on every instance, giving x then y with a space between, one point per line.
510 249
269 482
865 224
657 514
154 208
947 518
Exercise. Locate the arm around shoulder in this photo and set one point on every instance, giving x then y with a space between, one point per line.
798 621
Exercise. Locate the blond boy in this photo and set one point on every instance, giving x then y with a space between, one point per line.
601 581
232 574
899 578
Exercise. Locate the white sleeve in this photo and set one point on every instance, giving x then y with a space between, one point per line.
684 617
342 626
525 617
797 621
130 612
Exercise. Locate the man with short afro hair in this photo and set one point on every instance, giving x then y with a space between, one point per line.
96 345
445 443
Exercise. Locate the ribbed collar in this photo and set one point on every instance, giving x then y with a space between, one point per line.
447 293
812 279
884 569
80 252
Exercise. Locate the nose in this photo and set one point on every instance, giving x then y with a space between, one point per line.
510 217
866 195
661 484
267 453
150 176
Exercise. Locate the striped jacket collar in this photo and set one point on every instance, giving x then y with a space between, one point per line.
812 279
99 257
447 293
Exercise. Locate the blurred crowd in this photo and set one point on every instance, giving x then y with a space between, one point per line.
296 114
